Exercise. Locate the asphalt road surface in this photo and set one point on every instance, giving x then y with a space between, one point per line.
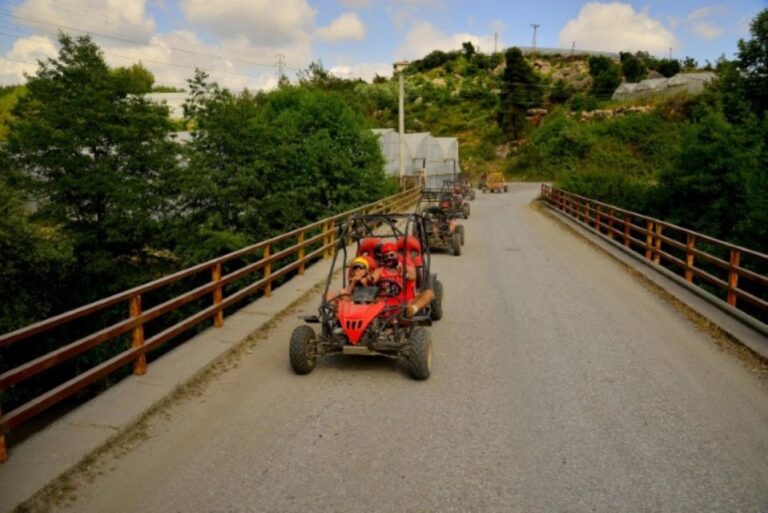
559 384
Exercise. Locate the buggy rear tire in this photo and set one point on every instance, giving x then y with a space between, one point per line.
420 354
465 211
472 195
460 230
505 188
302 350
436 306
456 244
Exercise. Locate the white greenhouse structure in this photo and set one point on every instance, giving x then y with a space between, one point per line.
435 158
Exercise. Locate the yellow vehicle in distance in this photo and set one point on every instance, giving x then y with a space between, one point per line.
495 183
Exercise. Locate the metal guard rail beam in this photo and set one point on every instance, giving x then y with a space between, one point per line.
327 236
654 239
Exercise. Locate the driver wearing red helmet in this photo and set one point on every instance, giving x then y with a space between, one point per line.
393 265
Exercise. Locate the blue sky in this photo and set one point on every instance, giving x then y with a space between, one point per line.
238 41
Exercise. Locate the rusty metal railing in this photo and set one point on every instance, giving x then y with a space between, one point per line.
725 271
271 267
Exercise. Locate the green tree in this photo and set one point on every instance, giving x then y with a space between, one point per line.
96 159
35 265
135 79
690 64
632 67
561 92
262 164
705 189
606 76
469 49
521 90
668 67
753 62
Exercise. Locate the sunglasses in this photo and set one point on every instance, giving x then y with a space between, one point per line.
390 255
358 266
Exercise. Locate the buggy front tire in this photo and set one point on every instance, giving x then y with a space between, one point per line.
420 354
436 307
505 188
456 244
302 350
460 230
472 195
465 212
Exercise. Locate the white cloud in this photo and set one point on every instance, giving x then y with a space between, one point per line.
424 38
263 21
706 30
356 4
366 70
703 27
346 26
615 27
117 18
22 58
497 25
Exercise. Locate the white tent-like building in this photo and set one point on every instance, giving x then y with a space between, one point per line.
436 158
691 83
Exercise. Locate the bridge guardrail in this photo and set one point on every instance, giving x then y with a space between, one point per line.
700 260
271 267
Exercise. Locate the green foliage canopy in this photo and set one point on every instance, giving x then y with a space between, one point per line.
521 90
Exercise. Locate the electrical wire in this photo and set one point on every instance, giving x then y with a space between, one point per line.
143 43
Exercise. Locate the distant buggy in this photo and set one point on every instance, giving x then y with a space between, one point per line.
442 231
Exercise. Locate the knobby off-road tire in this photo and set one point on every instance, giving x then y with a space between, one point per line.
505 188
465 212
302 350
436 306
456 244
460 230
471 195
420 354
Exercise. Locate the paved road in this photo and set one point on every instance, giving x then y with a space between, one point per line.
559 385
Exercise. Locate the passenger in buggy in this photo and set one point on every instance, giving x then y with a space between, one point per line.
361 272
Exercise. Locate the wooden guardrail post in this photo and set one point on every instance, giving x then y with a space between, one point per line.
690 242
326 244
598 219
733 276
267 271
648 239
657 245
302 267
611 219
627 224
332 237
218 319
137 336
3 447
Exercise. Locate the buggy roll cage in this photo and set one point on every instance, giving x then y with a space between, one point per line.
370 226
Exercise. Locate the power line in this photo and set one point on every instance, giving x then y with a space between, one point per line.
134 41
143 59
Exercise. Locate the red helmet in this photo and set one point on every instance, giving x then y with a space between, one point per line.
388 247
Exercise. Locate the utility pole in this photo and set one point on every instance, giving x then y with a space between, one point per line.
495 42
670 52
573 48
535 28
280 66
399 68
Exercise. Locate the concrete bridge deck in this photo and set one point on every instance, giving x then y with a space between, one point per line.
560 383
